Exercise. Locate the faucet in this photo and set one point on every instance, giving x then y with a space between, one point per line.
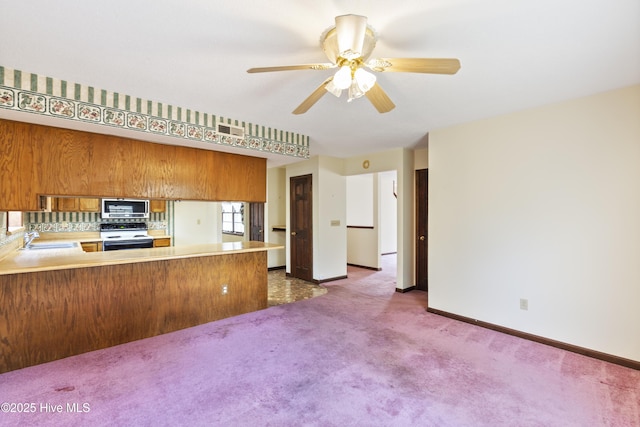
30 237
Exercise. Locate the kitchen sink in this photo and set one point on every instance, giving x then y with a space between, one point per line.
57 245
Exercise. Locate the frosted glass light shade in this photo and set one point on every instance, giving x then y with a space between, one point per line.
333 90
342 79
365 79
354 91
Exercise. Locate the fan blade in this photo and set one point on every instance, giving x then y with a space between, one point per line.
416 65
379 99
313 98
324 66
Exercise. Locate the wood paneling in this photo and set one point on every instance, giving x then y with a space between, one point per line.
108 168
61 157
54 314
18 177
41 160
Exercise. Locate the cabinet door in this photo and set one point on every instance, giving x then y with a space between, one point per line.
162 242
66 204
89 205
157 206
91 246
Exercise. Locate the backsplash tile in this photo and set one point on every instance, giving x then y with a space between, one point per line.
66 222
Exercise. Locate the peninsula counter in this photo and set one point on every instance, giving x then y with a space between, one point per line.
54 305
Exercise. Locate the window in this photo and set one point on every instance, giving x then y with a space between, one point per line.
14 221
233 218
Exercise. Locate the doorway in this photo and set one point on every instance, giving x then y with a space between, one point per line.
422 215
256 222
301 242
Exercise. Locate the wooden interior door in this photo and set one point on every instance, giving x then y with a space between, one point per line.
301 227
422 214
256 222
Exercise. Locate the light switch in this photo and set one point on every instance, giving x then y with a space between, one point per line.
335 222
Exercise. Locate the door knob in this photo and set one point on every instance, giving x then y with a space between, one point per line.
293 233
421 237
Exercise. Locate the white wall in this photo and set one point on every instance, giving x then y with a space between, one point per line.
362 211
329 204
371 202
388 212
196 223
275 214
421 159
543 205
332 208
360 206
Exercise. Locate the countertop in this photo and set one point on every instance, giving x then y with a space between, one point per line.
26 261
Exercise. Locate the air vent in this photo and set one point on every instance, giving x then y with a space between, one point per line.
225 129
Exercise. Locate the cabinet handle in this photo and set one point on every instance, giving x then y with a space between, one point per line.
422 238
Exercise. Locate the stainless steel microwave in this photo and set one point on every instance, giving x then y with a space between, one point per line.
125 208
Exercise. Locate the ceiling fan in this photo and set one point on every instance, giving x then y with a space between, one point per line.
348 46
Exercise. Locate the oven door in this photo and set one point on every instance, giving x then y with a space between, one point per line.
116 245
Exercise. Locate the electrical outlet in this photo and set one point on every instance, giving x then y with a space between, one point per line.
524 304
225 289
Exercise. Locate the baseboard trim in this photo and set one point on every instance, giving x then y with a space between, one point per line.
402 291
542 340
364 266
282 267
319 282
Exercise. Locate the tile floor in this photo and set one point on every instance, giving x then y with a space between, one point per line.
283 289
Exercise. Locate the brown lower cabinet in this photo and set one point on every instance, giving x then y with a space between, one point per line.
106 303
161 242
91 246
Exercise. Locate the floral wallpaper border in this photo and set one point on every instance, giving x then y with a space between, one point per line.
32 93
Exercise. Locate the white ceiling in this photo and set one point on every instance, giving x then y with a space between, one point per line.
515 54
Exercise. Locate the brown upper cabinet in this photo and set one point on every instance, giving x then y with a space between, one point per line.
157 206
76 204
38 160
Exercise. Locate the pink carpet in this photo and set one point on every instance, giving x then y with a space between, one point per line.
361 355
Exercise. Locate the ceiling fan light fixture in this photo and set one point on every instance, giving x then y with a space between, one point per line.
351 31
348 46
354 91
364 79
342 78
333 90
